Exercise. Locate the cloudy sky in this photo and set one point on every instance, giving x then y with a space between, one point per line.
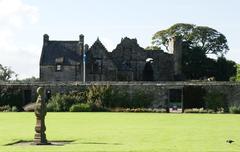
23 23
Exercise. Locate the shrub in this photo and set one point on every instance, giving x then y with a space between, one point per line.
139 110
195 110
14 109
5 108
96 108
141 99
63 102
200 110
234 109
10 96
53 106
215 101
119 98
138 99
81 107
99 95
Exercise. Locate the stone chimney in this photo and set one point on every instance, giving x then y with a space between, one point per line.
45 39
86 47
81 43
175 47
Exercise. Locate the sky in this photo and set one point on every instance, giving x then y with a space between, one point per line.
23 23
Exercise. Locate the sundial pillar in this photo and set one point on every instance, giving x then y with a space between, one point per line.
40 113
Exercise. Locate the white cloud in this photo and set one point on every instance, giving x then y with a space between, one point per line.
5 38
15 15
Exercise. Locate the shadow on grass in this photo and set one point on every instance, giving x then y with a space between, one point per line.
31 143
99 143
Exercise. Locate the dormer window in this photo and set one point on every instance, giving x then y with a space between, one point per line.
58 67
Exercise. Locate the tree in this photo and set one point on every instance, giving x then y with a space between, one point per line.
207 39
29 80
225 69
152 48
196 65
238 73
6 73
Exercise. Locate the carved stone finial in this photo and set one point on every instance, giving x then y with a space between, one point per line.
40 112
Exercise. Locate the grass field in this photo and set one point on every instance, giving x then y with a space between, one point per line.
125 132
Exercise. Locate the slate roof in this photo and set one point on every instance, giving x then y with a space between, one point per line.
65 51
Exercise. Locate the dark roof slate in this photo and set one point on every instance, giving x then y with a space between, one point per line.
54 50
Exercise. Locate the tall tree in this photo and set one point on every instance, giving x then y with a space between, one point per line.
238 73
6 73
207 39
225 69
196 65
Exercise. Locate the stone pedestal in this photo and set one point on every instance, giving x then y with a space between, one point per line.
40 112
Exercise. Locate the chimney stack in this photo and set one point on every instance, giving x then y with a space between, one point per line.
45 39
86 47
81 43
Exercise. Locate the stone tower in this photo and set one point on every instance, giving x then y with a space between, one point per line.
175 47
81 44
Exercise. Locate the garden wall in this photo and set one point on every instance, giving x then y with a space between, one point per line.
159 92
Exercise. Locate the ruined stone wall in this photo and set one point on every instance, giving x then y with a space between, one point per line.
130 59
99 66
159 91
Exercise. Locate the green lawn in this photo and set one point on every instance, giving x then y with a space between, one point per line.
125 132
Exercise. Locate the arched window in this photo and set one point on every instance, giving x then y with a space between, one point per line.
148 70
149 60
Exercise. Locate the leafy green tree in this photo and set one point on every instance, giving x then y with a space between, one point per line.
6 73
207 39
238 73
31 79
225 69
196 65
153 48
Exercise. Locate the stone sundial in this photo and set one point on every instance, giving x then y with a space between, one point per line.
40 113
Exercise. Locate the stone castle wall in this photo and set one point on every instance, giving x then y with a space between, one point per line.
159 91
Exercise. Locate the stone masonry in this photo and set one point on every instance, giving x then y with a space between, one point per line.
63 61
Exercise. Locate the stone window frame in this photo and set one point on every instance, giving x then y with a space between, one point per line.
59 68
98 64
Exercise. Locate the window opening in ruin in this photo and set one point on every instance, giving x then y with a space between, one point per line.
97 66
149 60
148 70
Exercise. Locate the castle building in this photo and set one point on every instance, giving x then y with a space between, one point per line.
63 61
